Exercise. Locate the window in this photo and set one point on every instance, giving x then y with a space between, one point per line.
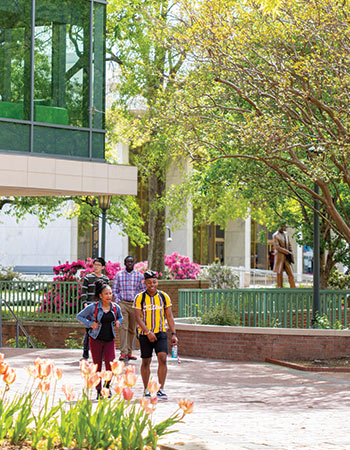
59 82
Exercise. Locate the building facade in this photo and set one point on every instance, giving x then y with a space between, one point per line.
52 100
52 121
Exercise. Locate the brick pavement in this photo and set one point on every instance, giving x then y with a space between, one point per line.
237 405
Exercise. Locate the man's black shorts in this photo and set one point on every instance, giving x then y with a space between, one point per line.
160 345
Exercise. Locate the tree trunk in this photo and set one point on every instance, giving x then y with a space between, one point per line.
325 271
156 225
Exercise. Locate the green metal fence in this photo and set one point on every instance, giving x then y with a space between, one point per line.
41 300
285 308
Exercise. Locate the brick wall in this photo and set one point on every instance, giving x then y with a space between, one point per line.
254 344
215 342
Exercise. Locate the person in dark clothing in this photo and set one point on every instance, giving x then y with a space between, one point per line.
87 295
101 318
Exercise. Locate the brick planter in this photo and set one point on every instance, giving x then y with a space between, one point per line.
256 344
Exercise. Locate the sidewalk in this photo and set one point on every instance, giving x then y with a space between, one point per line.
237 405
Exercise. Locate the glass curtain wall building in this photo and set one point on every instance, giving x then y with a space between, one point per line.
52 77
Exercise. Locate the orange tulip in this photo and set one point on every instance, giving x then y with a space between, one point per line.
92 380
130 369
186 405
128 394
9 376
86 368
153 386
2 356
3 368
146 405
37 362
106 375
44 367
117 367
105 392
58 374
32 370
44 386
119 384
130 379
68 392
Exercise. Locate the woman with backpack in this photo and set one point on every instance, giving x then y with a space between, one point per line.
101 318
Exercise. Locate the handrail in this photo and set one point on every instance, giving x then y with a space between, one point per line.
18 325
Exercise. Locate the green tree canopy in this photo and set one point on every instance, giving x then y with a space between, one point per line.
271 89
139 41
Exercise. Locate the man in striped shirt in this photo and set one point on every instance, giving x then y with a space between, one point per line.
126 285
87 295
152 308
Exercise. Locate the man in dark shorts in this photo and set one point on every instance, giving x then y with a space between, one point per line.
152 307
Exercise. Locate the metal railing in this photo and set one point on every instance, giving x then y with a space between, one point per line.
41 300
285 308
19 326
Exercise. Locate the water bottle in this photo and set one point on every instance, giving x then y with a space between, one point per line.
174 351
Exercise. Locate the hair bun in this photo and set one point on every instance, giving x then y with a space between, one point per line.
99 286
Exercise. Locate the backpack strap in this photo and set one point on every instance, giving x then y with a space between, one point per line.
143 299
96 308
162 296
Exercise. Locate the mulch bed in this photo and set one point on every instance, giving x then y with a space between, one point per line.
317 365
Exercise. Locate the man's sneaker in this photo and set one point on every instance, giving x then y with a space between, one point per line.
146 393
161 395
123 357
132 358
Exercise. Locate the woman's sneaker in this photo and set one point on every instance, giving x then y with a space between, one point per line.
161 395
146 393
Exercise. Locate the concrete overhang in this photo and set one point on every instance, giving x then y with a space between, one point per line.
27 175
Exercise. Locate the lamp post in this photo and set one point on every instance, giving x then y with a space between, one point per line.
316 306
104 202
316 303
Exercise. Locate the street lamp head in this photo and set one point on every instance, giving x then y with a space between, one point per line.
104 202
169 238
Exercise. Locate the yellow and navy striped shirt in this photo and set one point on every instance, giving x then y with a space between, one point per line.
153 310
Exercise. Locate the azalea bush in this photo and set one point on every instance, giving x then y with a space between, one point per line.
115 422
179 267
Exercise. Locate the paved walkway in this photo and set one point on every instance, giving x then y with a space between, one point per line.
237 405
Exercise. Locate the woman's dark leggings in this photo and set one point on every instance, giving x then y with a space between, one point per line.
102 350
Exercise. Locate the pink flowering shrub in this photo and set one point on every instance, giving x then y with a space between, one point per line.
141 266
180 267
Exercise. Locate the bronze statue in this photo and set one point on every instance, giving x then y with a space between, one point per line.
283 257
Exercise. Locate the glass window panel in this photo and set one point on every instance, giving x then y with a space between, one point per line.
14 136
98 145
61 70
99 67
15 31
59 141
